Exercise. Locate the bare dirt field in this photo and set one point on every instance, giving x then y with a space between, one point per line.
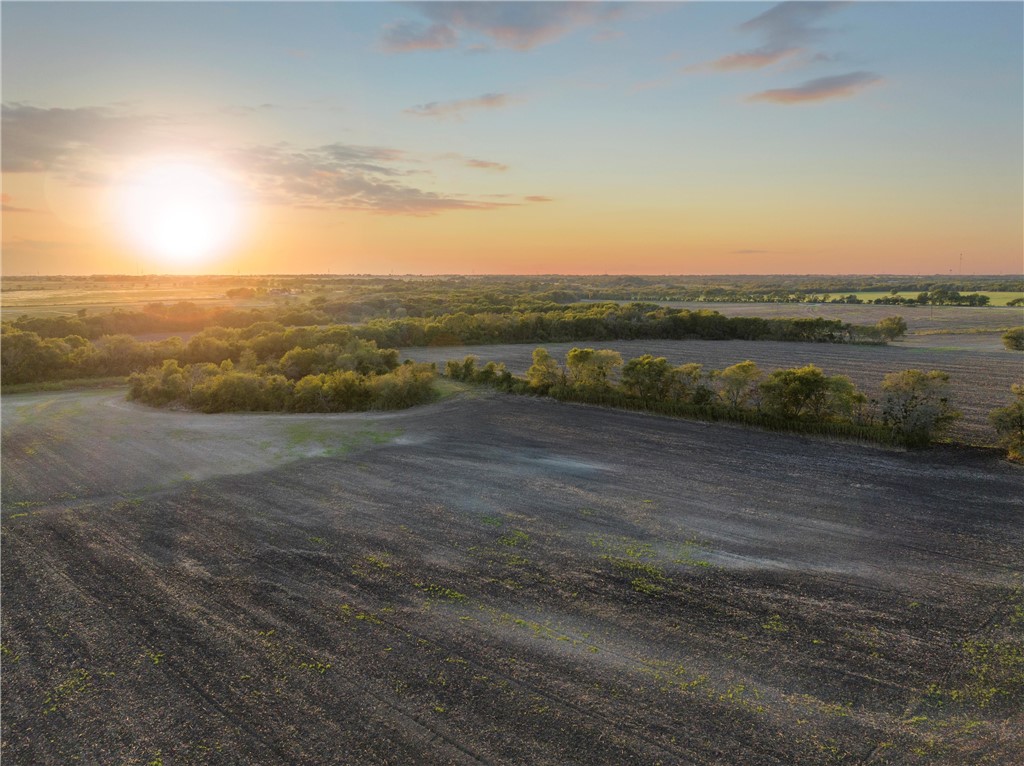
980 379
499 579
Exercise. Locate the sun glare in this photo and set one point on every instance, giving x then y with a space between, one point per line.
181 211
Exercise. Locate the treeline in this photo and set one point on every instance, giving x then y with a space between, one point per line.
913 410
225 388
943 295
779 289
325 371
611 321
295 301
297 351
26 356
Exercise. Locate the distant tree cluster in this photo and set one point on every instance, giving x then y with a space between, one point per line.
942 295
914 408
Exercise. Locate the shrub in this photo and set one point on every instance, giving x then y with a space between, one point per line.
1009 423
915 405
1014 339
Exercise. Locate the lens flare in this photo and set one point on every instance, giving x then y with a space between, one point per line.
181 211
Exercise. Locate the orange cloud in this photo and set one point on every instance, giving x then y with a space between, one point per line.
486 165
755 59
820 89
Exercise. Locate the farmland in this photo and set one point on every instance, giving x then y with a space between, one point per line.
55 297
502 580
509 579
980 380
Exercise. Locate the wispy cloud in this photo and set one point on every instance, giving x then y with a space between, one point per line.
749 60
35 139
538 198
5 202
486 165
788 24
455 109
473 162
819 89
784 28
517 26
346 177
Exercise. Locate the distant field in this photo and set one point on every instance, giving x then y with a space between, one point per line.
497 579
980 379
68 299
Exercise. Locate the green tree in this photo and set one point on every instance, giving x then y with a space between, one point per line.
891 328
1009 423
737 384
545 371
685 384
807 391
647 377
590 368
916 404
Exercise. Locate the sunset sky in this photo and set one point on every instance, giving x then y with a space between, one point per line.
655 138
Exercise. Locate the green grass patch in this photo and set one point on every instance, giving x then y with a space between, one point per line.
332 439
440 592
445 388
73 384
514 539
63 693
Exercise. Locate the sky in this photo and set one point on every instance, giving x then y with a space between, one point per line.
513 138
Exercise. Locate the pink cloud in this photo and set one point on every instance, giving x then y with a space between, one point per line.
820 89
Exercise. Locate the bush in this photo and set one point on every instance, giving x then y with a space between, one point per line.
915 405
1014 339
1009 424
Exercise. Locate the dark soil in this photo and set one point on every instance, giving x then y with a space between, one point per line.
506 580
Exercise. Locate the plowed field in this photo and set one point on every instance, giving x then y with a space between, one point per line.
498 579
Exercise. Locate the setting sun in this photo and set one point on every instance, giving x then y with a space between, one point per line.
178 210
